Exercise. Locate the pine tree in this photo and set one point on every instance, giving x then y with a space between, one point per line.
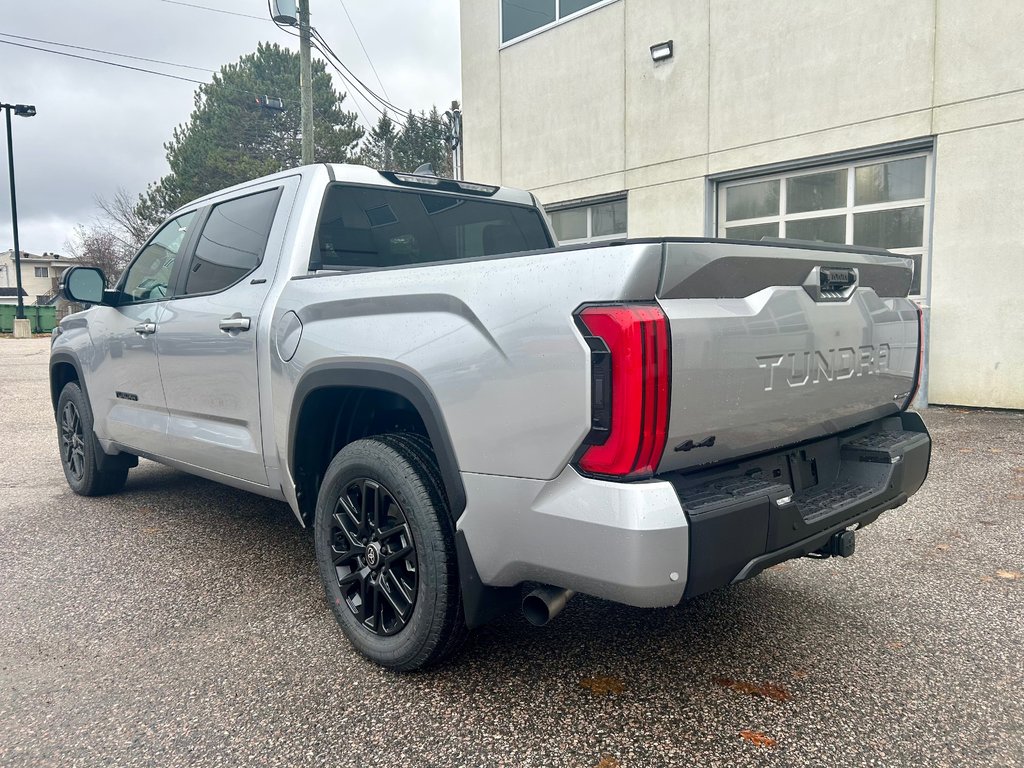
378 150
230 138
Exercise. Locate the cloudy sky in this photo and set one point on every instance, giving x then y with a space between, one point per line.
99 127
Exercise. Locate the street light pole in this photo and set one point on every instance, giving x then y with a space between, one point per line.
20 313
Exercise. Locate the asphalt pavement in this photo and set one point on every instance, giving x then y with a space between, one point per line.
182 623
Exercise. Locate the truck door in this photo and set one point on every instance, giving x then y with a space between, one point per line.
209 339
124 379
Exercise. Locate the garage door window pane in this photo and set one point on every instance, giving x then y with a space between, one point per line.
570 224
752 232
885 182
828 229
571 6
897 228
816 192
519 17
751 201
609 218
915 286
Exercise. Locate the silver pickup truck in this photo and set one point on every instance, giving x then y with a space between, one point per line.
458 407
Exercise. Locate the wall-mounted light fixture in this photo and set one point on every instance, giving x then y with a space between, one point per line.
662 51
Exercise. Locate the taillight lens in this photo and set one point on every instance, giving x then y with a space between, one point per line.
920 357
630 397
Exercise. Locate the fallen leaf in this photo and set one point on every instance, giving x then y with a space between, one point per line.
987 578
966 450
1009 574
989 522
758 739
607 761
942 547
779 567
602 686
800 674
1015 497
896 645
995 450
768 690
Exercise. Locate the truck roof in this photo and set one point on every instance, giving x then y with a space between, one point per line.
362 174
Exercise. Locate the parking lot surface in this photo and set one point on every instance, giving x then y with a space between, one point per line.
182 623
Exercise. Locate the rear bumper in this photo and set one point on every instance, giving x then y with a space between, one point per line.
770 509
653 543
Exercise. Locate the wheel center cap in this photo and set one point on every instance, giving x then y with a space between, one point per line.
373 555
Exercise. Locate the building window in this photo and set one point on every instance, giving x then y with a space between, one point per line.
597 221
523 17
41 272
880 203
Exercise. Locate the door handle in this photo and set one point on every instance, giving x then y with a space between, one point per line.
235 323
146 328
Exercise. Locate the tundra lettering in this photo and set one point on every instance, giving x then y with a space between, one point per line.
832 365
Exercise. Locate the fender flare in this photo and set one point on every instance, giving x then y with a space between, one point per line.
398 380
57 358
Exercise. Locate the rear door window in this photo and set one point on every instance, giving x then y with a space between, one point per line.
372 227
232 242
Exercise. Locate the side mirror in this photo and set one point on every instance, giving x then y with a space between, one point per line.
84 285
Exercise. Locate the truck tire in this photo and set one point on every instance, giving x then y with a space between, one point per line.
79 448
385 547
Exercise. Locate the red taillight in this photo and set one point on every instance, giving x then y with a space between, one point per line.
638 343
920 357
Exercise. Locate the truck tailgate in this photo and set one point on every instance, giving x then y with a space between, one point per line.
774 345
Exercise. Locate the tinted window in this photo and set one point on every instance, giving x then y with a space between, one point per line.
372 227
232 242
149 275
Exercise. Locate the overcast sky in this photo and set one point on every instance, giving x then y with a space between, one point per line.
100 127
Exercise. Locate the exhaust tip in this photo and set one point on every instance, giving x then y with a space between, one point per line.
544 603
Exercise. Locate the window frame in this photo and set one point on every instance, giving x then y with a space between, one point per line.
204 216
172 280
589 205
559 19
35 272
849 210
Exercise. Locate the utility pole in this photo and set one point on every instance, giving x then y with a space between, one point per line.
305 83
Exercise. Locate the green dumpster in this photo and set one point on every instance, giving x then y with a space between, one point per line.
42 319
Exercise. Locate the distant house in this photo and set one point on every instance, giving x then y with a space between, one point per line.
40 277
10 295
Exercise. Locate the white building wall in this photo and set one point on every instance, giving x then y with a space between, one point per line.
580 110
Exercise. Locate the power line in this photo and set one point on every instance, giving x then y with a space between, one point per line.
352 90
138 69
108 63
365 53
107 53
214 10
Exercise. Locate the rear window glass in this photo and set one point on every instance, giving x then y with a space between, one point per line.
364 227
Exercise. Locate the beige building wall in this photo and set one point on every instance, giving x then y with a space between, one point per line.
32 285
580 110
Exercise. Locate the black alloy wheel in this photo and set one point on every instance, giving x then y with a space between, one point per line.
72 441
385 549
374 557
80 450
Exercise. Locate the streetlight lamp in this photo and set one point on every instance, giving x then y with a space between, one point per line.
21 110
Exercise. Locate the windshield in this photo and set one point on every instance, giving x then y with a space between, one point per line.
375 227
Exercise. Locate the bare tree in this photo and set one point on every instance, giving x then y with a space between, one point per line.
124 219
95 245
